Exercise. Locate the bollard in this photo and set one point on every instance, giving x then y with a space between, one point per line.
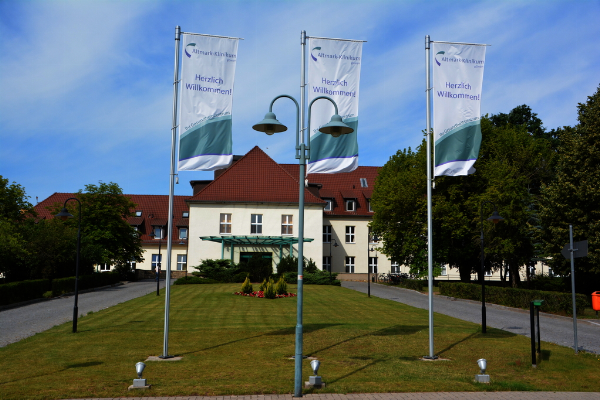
534 307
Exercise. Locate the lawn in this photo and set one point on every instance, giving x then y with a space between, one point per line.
240 345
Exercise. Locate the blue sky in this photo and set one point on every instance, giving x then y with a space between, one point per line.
86 86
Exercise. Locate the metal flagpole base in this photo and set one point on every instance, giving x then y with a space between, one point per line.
430 357
166 357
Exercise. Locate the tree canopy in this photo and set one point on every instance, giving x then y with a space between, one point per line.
574 196
512 165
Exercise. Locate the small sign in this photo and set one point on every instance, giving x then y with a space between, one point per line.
580 250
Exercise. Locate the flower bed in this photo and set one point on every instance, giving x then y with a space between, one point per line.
261 294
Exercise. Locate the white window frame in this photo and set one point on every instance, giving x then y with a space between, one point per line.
487 273
327 263
104 267
444 270
132 264
351 205
395 267
158 229
225 224
287 224
327 229
350 233
181 262
256 224
369 203
183 236
349 265
373 265
156 259
329 205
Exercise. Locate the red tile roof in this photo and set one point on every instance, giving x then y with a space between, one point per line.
154 211
255 178
333 185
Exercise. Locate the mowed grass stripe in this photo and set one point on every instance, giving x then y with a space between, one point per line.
239 345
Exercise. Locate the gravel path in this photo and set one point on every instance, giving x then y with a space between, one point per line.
553 328
19 323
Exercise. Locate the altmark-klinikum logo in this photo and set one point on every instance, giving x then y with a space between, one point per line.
185 50
311 54
436 60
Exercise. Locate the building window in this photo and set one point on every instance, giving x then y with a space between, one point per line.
373 265
138 213
158 232
349 234
488 273
369 203
287 226
225 224
444 271
256 224
132 264
329 205
327 263
326 233
104 267
181 262
156 260
350 265
185 214
363 182
395 267
183 233
350 205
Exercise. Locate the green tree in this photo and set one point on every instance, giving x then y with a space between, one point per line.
106 237
511 166
574 196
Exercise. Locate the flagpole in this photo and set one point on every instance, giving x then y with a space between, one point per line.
429 181
171 190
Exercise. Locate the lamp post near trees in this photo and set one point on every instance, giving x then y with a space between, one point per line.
495 218
158 262
64 215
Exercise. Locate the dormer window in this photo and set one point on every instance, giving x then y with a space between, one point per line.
350 205
138 213
329 205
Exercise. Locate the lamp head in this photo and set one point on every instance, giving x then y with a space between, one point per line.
336 127
139 368
270 125
495 218
482 363
315 364
64 214
335 244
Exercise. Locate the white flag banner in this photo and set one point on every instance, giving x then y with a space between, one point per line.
207 72
457 82
333 71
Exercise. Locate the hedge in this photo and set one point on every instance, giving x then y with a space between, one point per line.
67 285
16 292
319 278
187 280
519 298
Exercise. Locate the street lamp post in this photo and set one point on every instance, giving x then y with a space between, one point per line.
331 256
64 214
375 238
335 127
495 218
159 263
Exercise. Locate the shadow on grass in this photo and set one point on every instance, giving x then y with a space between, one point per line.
491 333
372 363
71 366
545 356
394 330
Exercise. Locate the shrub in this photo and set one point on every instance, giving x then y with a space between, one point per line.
414 284
193 280
318 278
218 270
258 268
519 298
247 286
269 292
263 285
290 264
281 287
16 292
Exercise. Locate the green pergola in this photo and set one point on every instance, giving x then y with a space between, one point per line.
254 241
